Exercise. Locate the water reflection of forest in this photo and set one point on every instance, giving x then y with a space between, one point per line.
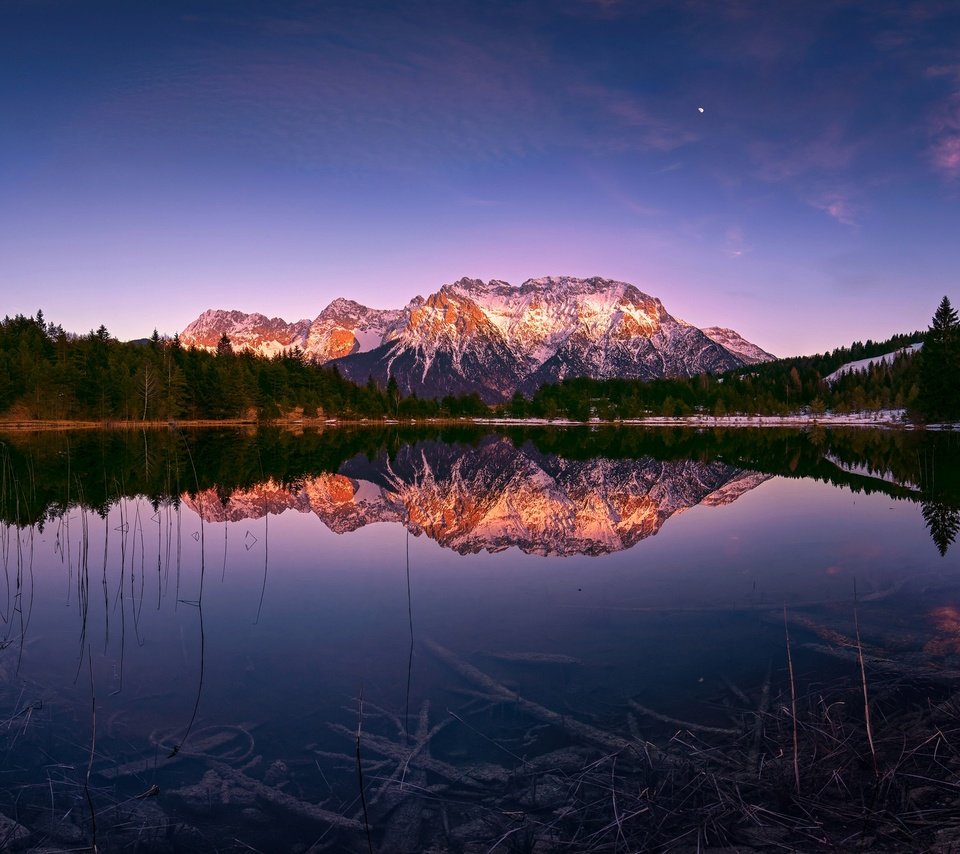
546 490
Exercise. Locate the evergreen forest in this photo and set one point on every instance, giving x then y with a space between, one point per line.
49 374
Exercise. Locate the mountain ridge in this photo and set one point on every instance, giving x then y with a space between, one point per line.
492 338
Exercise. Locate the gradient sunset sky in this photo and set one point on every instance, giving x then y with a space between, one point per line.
161 158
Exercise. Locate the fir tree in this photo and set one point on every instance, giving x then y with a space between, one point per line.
939 379
393 395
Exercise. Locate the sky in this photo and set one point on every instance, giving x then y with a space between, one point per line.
790 170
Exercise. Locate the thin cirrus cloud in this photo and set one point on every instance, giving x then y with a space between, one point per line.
395 101
944 126
349 88
348 110
640 126
735 243
829 151
837 204
945 153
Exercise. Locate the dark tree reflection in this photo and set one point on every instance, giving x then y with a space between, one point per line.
943 521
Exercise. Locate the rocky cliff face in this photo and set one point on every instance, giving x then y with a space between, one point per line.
493 338
267 336
736 343
342 328
345 327
496 496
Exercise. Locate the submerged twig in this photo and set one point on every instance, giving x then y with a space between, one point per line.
608 741
689 725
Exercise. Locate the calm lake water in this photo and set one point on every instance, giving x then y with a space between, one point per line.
190 620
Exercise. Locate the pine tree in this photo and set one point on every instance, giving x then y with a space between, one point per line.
393 395
939 398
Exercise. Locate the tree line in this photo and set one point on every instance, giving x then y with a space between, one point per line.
780 387
46 373
927 385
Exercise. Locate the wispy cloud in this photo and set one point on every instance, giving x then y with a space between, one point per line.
641 126
837 204
829 151
611 186
945 154
670 167
944 70
607 7
342 90
640 209
944 126
735 244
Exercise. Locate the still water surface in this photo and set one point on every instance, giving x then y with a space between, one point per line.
190 622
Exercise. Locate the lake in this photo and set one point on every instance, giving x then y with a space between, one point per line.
526 639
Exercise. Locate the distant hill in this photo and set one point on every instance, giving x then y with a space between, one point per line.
864 364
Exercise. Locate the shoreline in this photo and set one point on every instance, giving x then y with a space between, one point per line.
883 419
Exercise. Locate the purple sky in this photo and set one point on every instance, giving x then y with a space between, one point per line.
158 159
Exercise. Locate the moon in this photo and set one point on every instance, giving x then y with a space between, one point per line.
699 109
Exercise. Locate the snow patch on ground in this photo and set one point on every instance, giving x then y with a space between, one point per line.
880 418
863 364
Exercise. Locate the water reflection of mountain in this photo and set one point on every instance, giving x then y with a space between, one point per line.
44 475
495 495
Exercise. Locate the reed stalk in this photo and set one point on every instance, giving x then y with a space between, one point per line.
793 704
363 797
863 682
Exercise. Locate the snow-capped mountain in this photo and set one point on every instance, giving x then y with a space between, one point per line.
342 328
493 338
267 336
495 495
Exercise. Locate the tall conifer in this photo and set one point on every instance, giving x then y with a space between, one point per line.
939 398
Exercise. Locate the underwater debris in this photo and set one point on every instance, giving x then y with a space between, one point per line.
203 743
534 658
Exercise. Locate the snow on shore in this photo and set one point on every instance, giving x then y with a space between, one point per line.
879 418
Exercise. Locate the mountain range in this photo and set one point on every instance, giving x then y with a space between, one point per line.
492 338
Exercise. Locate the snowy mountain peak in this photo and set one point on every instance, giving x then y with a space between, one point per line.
736 343
494 338
262 334
346 327
342 328
343 306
